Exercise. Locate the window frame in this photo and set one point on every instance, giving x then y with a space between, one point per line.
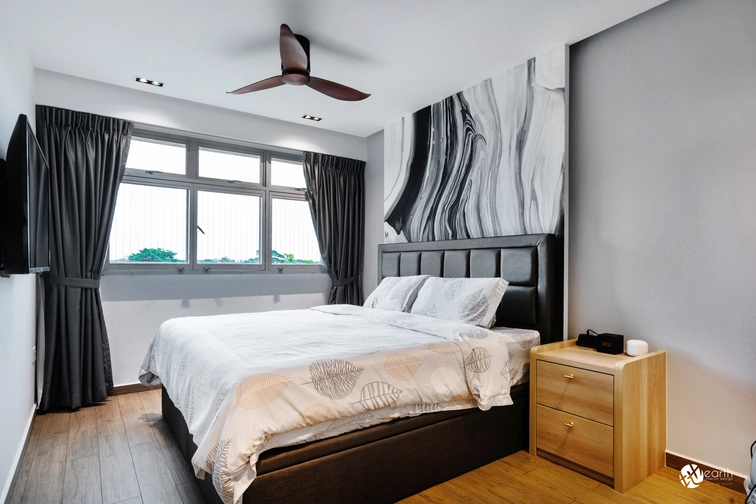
269 174
276 194
194 183
111 267
229 267
162 138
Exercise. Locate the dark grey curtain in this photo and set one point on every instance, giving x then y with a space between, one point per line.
336 193
87 156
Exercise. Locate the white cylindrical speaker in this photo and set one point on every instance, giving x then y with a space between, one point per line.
636 347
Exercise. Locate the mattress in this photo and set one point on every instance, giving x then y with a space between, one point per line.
518 342
250 382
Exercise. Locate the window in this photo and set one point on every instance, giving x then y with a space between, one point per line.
149 225
294 240
156 156
286 173
229 227
230 165
189 206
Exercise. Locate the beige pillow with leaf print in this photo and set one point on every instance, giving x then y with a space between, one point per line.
469 300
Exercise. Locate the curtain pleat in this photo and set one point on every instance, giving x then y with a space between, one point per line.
336 194
87 158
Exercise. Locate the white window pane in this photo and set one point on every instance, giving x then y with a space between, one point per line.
149 225
226 165
154 155
229 228
287 173
294 240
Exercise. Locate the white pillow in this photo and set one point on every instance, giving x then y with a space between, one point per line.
396 293
469 300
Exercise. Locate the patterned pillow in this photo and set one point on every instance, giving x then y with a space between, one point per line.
396 293
469 300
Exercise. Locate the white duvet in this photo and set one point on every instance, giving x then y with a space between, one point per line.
250 382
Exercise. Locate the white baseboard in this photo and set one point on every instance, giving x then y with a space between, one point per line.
5 496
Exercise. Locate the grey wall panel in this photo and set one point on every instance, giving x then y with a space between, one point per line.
457 263
389 265
409 264
519 307
484 263
662 235
519 265
432 263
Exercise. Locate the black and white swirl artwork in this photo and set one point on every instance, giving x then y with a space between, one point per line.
487 161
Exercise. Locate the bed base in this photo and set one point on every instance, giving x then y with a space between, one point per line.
388 469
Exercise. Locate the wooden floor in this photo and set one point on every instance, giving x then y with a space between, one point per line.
523 478
119 451
122 452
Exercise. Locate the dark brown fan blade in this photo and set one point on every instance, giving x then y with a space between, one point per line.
293 55
259 86
335 90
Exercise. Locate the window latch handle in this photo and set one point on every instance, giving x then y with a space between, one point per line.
200 230
206 269
180 270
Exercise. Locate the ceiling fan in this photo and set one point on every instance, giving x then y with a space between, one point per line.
295 70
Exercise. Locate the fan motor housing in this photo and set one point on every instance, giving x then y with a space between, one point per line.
295 79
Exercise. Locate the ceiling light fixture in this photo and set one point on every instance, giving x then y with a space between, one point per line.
142 80
312 118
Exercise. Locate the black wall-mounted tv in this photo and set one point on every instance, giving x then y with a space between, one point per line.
24 204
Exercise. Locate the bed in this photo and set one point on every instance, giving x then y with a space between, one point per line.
393 460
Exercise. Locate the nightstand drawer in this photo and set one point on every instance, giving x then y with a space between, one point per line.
584 442
574 390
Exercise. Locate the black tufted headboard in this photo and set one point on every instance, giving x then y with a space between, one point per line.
527 262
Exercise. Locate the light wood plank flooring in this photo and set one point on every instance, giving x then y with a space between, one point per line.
523 478
122 452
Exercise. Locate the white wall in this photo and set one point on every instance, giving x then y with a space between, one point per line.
662 228
373 210
17 294
135 306
85 95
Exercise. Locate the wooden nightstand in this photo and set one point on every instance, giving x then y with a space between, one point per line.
601 415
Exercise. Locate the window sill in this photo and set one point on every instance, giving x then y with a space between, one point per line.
285 270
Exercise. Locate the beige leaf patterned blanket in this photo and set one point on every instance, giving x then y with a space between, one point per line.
250 382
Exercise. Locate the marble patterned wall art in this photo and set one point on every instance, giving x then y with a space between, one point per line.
487 161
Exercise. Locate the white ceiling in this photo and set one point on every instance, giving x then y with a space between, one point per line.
407 53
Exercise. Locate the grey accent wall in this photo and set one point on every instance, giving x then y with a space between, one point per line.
373 210
662 205
17 294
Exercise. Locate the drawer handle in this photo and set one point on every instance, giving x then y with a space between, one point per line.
569 376
569 424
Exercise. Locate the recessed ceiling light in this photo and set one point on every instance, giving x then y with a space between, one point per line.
312 118
142 80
